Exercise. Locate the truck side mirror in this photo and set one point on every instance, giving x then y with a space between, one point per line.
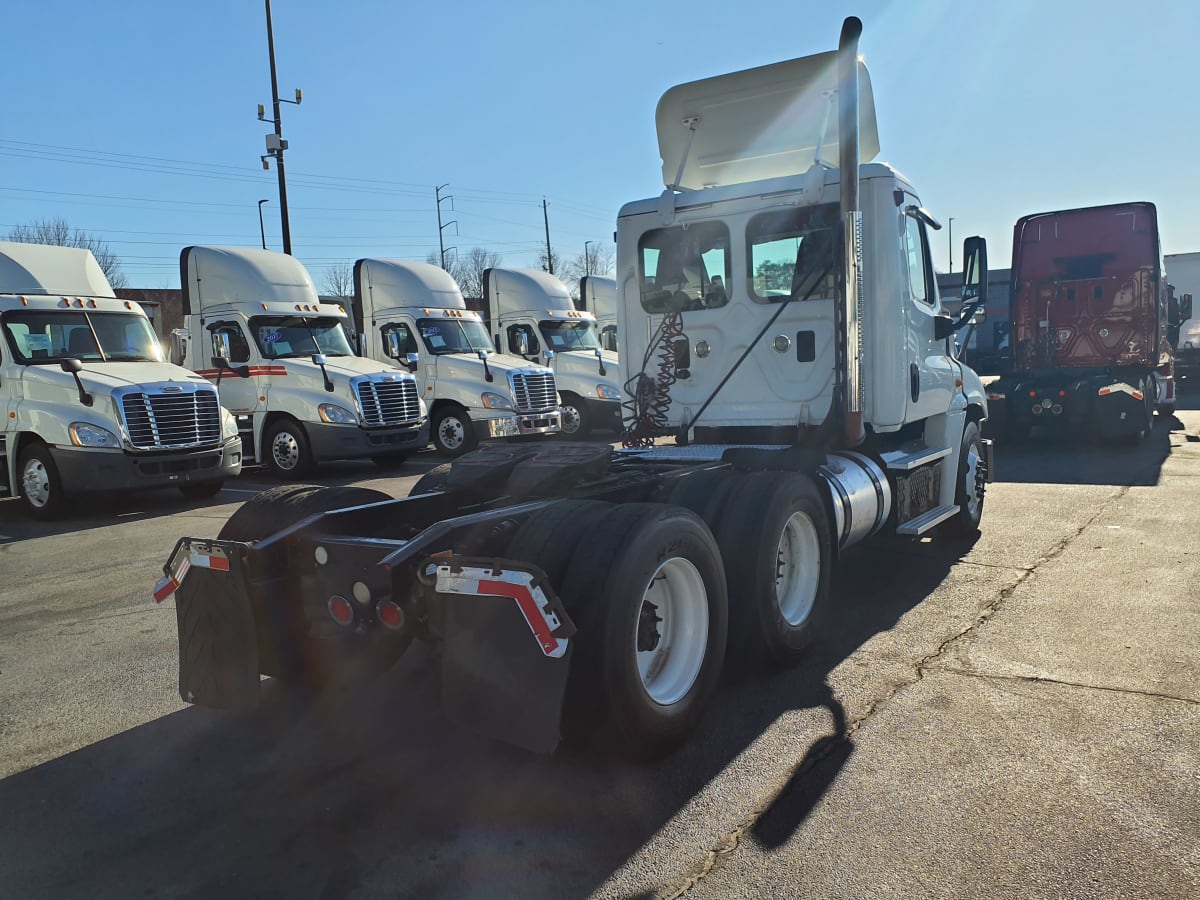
522 343
1185 308
318 359
943 327
393 344
221 345
975 272
549 355
71 366
411 361
608 338
599 353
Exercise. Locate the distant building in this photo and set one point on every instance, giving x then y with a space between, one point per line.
164 306
987 348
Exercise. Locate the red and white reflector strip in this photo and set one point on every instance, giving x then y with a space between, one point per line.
1120 387
478 581
200 557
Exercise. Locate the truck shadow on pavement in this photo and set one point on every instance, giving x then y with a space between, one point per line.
369 788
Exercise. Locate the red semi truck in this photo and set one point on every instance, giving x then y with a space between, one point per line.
1090 325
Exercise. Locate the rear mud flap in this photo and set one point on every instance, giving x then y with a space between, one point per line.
1120 414
218 652
506 652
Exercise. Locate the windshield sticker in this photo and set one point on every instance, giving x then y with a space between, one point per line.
37 341
270 337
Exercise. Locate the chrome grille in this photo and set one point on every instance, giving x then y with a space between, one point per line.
159 421
389 402
534 391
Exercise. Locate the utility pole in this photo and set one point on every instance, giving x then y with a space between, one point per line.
587 259
437 193
261 228
275 142
950 238
549 254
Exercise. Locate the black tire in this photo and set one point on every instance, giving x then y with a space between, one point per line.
751 537
293 656
432 481
452 432
576 420
970 505
389 460
705 494
36 468
292 458
200 490
549 537
605 585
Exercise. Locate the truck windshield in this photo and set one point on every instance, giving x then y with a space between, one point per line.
283 337
566 336
38 337
454 335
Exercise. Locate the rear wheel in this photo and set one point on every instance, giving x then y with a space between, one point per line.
432 481
776 544
40 485
647 594
705 494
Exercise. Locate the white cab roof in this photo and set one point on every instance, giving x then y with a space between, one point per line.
599 295
528 289
220 275
758 123
387 283
41 269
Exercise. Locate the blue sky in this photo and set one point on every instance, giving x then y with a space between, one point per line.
136 120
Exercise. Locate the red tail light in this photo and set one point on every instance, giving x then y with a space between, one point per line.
341 611
389 614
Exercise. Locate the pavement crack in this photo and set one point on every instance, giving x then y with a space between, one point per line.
1042 679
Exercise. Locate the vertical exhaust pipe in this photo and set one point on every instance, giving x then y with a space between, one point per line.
849 318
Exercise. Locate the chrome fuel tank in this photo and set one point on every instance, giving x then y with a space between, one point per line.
861 495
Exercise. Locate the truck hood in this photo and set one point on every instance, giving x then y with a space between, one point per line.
585 364
344 366
462 365
103 378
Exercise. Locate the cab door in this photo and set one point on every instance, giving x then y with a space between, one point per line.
238 395
931 371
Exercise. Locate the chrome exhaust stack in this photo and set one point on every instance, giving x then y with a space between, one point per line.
850 314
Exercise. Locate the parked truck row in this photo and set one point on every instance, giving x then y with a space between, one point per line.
772 422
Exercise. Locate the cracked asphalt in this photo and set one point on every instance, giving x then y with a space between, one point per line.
1010 718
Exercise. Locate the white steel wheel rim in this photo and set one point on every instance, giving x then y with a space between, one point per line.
452 433
675 594
571 419
36 482
970 487
797 568
285 450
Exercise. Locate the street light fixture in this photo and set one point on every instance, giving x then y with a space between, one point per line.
261 228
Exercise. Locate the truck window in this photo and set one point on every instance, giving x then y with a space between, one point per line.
37 337
917 259
280 337
569 335
452 335
684 268
791 252
239 347
527 330
407 343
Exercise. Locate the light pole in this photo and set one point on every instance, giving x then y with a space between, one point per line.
437 193
275 142
587 260
261 228
950 240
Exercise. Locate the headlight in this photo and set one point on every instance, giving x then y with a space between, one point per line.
85 435
228 424
495 401
607 392
336 415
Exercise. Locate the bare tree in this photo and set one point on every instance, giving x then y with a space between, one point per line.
57 232
338 281
453 265
600 259
473 267
555 263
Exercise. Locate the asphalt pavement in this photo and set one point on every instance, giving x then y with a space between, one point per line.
1015 717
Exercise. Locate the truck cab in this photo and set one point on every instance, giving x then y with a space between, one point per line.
413 316
530 310
598 293
87 398
281 360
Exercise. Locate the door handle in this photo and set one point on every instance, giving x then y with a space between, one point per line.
914 381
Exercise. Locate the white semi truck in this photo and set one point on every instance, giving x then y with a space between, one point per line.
412 314
253 325
1183 272
809 401
599 296
87 400
530 310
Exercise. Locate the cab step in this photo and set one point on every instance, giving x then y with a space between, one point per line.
910 457
926 521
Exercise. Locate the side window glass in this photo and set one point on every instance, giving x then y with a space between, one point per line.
239 348
405 338
791 252
916 259
684 268
514 332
